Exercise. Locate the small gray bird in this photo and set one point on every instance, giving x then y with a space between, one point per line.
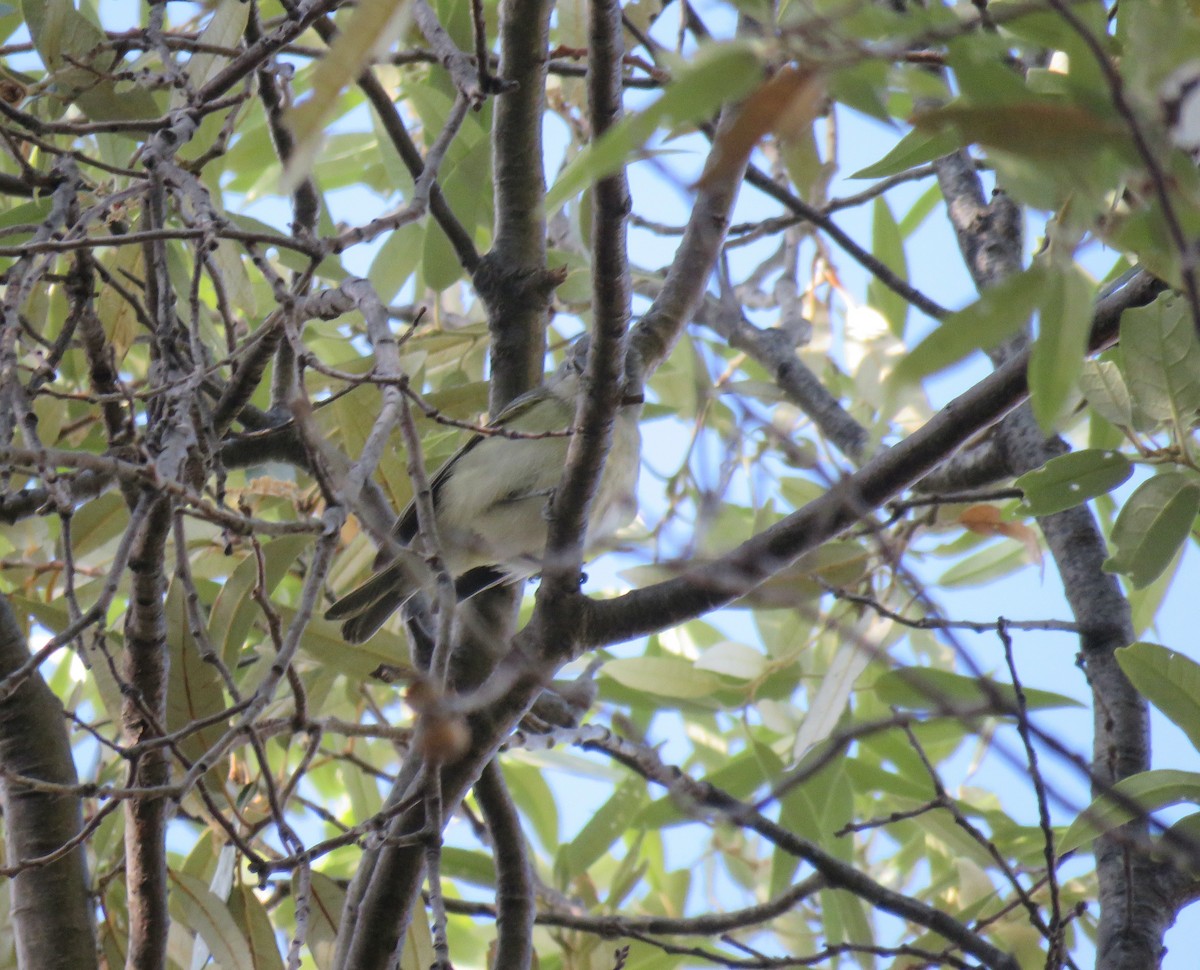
490 500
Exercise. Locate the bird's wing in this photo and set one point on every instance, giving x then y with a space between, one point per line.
405 529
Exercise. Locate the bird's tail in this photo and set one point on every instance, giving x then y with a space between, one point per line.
365 609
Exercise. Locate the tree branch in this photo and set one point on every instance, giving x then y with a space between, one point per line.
52 914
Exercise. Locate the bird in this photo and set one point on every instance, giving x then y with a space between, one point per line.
491 500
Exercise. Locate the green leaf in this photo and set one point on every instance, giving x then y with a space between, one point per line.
198 908
397 260
372 26
924 688
1151 790
194 687
1144 604
325 902
69 44
1044 130
1187 832
323 641
861 85
830 700
740 776
719 74
1069 480
234 611
1152 526
930 199
1064 323
991 561
607 825
888 246
529 789
1000 311
915 148
664 676
418 952
255 923
117 315
97 522
1162 360
1103 386
1168 680
732 659
469 865
440 268
224 29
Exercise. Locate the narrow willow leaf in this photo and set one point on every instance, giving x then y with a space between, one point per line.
418 952
118 315
224 29
1168 680
1042 130
198 908
1064 322
888 246
469 865
999 312
1152 525
97 522
533 796
930 199
325 902
234 611
915 148
606 826
1069 480
718 75
194 687
923 688
69 44
834 693
732 659
990 562
255 923
372 26
1151 790
664 676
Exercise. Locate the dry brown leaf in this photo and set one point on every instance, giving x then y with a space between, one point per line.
983 519
986 520
786 103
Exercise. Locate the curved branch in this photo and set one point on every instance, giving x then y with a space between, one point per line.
718 582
